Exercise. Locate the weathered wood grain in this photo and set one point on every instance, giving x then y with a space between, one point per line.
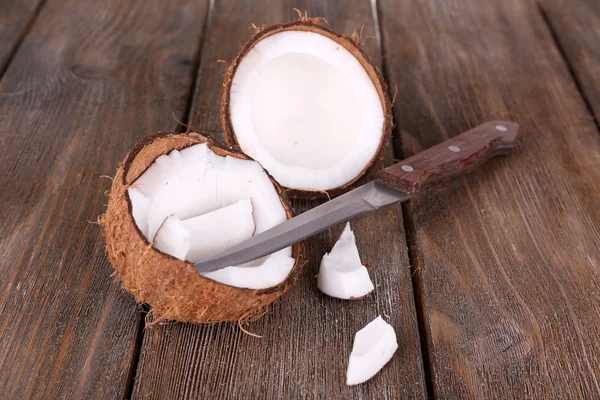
508 257
90 79
15 18
576 26
306 337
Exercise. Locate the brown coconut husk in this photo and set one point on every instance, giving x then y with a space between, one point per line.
352 44
173 288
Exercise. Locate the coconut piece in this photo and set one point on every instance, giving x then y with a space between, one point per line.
187 195
226 227
140 209
341 273
158 174
173 238
265 273
374 346
309 106
173 288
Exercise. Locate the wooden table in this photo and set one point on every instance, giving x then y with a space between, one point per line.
492 284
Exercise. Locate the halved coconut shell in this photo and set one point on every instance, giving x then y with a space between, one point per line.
349 44
172 287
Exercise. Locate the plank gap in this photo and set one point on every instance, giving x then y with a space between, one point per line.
375 16
11 54
396 142
409 225
194 73
135 359
570 68
417 283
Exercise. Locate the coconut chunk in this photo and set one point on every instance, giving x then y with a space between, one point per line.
195 154
341 273
194 163
140 204
308 105
184 196
374 346
226 227
156 177
265 273
172 238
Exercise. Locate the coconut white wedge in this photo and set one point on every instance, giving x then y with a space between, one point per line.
264 273
341 273
172 238
140 210
155 178
225 227
308 105
178 198
374 346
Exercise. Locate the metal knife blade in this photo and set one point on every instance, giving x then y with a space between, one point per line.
369 197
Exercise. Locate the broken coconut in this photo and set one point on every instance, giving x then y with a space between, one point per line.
374 346
341 273
179 198
308 105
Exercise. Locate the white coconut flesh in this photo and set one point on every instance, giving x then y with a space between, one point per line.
225 227
172 238
374 346
194 203
341 273
306 109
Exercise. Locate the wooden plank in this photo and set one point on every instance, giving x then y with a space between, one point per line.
15 18
508 257
306 337
91 79
576 26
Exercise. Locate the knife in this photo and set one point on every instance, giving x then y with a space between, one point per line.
397 183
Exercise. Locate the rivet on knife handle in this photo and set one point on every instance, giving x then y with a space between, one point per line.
451 158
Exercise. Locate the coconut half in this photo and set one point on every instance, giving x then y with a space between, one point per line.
374 346
179 198
341 273
308 105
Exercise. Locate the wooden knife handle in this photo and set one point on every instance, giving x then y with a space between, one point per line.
451 158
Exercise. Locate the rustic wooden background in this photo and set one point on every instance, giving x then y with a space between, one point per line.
492 284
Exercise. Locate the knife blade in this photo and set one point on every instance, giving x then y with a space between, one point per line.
369 197
397 183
